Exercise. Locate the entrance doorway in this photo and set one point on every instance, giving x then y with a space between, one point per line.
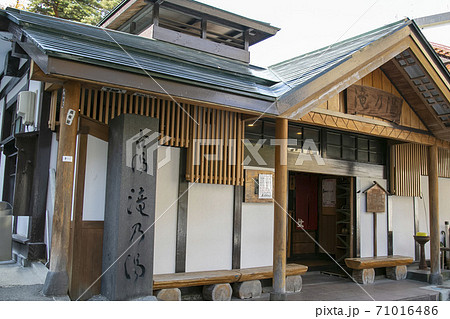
324 206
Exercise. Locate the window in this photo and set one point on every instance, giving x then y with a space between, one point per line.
352 147
265 129
12 124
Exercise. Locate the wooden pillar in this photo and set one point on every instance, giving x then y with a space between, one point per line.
280 209
57 280
433 184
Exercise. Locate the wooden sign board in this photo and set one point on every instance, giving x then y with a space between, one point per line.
259 186
366 100
376 199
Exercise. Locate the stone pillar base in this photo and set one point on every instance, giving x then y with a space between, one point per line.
56 284
275 296
436 279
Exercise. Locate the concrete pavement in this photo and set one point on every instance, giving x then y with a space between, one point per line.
19 283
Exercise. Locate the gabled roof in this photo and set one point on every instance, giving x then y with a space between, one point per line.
289 89
68 40
399 49
303 69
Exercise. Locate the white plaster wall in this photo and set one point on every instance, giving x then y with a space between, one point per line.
17 88
95 179
51 191
75 172
424 207
36 87
22 62
444 201
209 227
366 230
22 225
166 211
5 80
257 235
403 225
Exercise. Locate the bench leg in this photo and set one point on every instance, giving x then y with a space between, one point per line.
172 294
294 283
218 292
247 289
364 276
397 272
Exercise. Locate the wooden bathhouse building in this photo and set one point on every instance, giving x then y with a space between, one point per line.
147 154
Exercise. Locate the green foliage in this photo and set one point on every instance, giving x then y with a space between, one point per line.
87 11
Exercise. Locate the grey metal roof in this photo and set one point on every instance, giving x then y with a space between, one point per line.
117 50
55 35
300 70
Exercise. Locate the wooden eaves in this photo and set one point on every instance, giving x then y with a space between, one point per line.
303 99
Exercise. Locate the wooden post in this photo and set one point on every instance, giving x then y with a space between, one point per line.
433 182
57 280
375 249
280 209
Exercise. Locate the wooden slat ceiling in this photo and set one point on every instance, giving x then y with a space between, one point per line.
421 93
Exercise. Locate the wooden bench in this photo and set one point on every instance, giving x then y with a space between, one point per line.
364 268
217 284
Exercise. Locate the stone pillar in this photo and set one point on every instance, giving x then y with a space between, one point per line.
130 208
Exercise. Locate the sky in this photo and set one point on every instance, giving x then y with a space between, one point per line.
307 25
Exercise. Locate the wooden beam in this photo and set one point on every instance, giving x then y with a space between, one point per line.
38 75
183 186
52 86
237 223
57 279
77 71
299 102
280 211
433 184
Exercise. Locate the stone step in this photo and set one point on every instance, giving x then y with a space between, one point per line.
424 275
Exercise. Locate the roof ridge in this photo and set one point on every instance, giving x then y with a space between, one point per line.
404 21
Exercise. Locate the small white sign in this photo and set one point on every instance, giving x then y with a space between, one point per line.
68 159
70 116
265 186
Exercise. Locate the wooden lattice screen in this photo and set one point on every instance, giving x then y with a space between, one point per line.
174 118
410 161
217 153
183 123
